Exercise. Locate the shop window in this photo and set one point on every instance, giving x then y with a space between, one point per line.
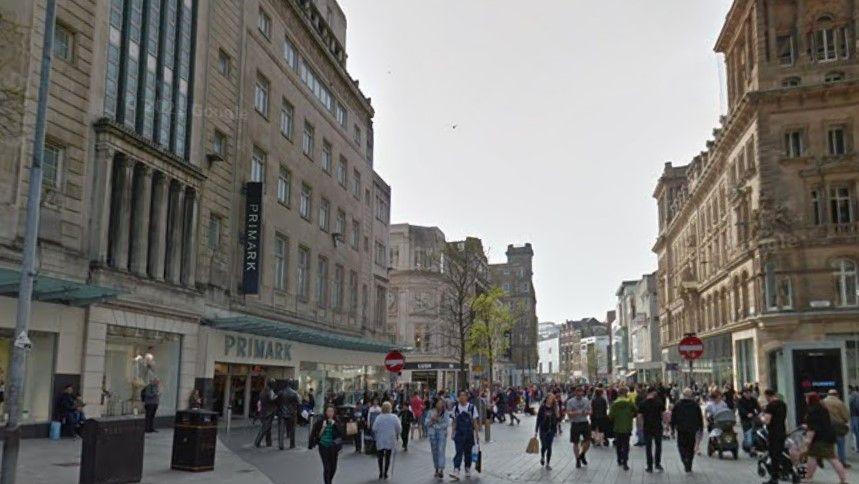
36 404
135 357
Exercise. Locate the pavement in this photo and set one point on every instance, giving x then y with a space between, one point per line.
505 461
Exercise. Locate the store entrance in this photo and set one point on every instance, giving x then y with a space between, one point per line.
240 387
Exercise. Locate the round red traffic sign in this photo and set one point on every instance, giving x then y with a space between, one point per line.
394 362
691 347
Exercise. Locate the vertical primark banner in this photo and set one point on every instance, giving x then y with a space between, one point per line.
253 221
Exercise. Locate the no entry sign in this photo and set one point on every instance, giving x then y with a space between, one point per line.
394 362
691 347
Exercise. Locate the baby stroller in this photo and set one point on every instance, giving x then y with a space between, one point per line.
723 437
792 468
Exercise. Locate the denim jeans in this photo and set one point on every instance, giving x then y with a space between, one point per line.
854 425
463 451
841 448
438 445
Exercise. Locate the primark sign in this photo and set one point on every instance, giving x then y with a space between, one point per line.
253 233
256 348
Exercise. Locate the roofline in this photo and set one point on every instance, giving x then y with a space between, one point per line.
729 21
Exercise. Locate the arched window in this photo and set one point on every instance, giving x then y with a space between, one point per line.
845 282
834 76
829 41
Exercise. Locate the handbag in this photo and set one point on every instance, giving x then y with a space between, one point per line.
533 446
841 429
351 428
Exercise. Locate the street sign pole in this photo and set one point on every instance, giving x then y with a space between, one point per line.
12 432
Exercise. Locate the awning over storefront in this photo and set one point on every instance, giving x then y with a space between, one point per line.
55 290
292 332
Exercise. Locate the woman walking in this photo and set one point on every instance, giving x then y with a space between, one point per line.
547 424
821 436
437 424
386 429
599 418
406 419
328 436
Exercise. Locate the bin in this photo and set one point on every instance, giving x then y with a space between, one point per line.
112 450
195 436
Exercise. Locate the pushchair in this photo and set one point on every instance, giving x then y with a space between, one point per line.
793 467
723 436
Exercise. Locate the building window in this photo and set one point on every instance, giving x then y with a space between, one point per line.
219 144
840 205
831 77
337 297
264 23
824 42
287 119
307 139
284 186
353 293
304 203
380 310
380 254
316 86
64 42
322 282
356 184
224 63
52 163
786 50
836 140
340 223
289 53
341 172
793 144
258 159
791 82
261 95
357 135
280 264
779 293
303 273
356 234
817 205
324 214
213 238
845 282
381 209
341 115
327 156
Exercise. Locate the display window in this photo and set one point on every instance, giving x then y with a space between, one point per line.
36 406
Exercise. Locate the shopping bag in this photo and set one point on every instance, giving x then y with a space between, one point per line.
477 458
351 428
55 430
533 446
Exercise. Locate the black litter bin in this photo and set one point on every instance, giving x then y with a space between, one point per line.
112 450
195 435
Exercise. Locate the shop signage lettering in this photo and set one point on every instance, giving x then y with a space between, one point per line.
253 223
261 349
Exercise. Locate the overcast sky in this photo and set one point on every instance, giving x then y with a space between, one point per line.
565 112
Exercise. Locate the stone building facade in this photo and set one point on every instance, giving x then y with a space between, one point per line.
160 113
757 245
516 278
570 337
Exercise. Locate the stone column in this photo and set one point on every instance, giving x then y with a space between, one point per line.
140 218
174 234
189 239
122 217
100 205
158 227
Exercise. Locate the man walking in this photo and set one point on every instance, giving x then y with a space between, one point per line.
621 414
268 409
839 414
151 396
774 415
578 409
287 413
651 411
465 428
686 421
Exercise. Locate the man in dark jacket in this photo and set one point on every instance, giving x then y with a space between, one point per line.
686 421
269 408
651 410
151 396
288 402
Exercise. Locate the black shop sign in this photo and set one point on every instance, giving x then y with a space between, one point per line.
253 228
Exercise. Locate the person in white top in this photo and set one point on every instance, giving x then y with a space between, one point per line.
465 434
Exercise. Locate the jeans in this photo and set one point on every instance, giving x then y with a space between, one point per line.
654 456
150 416
329 463
438 444
854 425
621 446
546 446
463 451
841 448
775 446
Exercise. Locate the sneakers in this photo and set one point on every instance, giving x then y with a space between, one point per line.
649 469
625 467
467 472
548 467
542 462
454 475
582 458
578 463
659 467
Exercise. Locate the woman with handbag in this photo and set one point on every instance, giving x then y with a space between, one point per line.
547 425
437 424
327 435
820 438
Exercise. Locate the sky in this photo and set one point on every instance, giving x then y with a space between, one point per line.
544 121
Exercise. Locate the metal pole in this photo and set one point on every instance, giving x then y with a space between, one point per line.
21 345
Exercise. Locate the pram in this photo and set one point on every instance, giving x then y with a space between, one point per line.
793 467
723 437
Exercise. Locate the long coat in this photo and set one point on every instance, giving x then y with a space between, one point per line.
386 429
